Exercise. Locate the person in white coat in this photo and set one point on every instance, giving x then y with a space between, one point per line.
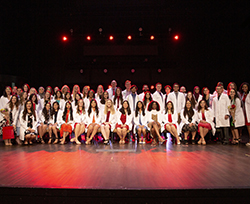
45 100
111 91
159 96
140 122
144 90
5 98
127 91
197 96
147 99
79 121
170 121
205 121
28 123
56 120
221 114
207 97
237 118
133 98
35 102
99 93
44 123
67 122
124 121
178 100
118 99
93 120
102 103
188 122
59 98
108 120
154 116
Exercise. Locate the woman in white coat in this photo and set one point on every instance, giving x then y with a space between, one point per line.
197 96
56 120
59 98
205 121
237 116
28 123
67 123
170 121
93 120
5 98
188 122
108 120
124 121
155 121
140 121
79 120
118 98
46 99
207 97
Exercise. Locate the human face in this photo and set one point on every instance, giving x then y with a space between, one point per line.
145 88
34 98
188 104
109 104
125 105
206 91
47 106
154 106
56 89
133 89
8 91
183 89
219 89
47 95
93 104
80 103
41 90
139 105
189 95
19 91
14 90
197 90
147 95
232 93
49 89
25 95
176 88
25 88
169 106
55 106
100 90
113 84
85 90
203 104
245 88
118 92
77 97
68 105
75 89
14 99
58 94
105 95
28 105
167 90
158 87
32 91
91 94
128 85
231 86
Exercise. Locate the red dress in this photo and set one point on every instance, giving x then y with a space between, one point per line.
66 127
204 125
123 119
170 120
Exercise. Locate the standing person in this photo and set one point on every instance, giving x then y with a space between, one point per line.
19 91
45 100
127 91
56 120
65 89
90 97
191 98
112 90
34 100
124 121
99 93
93 120
221 114
245 98
59 99
147 99
237 118
167 91
232 85
207 97
188 122
28 123
133 98
118 99
144 90
108 120
205 121
170 121
85 92
55 90
5 98
197 96
178 100
102 103
140 121
154 122
79 120
158 96
32 91
183 90
26 88
215 94
67 123
75 102
41 93
14 90
76 90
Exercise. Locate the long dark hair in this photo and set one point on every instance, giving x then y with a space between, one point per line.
166 108
189 112
76 101
65 111
83 107
4 92
91 90
192 99
60 93
90 108
31 96
69 98
11 105
46 113
145 99
137 109
199 105
122 110
235 96
151 105
103 99
53 111
240 89
121 98
25 111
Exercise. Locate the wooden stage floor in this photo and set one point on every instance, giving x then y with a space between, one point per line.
129 166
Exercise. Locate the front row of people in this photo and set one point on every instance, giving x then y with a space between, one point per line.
53 120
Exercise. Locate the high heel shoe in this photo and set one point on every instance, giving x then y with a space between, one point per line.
106 142
185 142
56 141
199 142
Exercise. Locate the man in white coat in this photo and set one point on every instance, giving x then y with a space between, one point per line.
158 96
133 98
178 99
221 114
111 91
127 91
144 89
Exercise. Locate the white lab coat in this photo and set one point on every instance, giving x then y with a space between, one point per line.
220 110
239 115
70 122
42 118
110 92
89 118
247 107
197 102
15 114
209 118
184 119
79 118
112 119
59 119
128 119
3 101
116 103
125 93
130 100
181 101
61 104
144 120
24 123
174 121
157 97
41 105
154 112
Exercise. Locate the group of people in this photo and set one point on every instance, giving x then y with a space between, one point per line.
60 113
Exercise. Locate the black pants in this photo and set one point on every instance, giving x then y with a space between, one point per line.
224 134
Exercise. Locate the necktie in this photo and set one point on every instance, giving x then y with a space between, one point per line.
161 96
113 92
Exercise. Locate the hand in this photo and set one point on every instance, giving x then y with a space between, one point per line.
226 117
14 127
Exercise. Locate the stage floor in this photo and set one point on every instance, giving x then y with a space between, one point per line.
129 166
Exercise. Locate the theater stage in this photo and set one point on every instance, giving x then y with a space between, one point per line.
101 173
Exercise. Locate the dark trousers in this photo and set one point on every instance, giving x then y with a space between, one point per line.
224 134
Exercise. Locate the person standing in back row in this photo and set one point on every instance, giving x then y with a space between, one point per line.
159 97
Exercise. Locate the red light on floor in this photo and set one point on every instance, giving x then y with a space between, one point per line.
176 37
111 37
152 87
64 38
88 38
129 37
152 37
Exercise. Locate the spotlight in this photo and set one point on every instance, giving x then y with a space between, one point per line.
159 70
105 71
88 37
64 38
111 37
152 87
152 37
176 37
129 37
81 71
133 70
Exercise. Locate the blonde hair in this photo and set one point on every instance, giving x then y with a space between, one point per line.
112 109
